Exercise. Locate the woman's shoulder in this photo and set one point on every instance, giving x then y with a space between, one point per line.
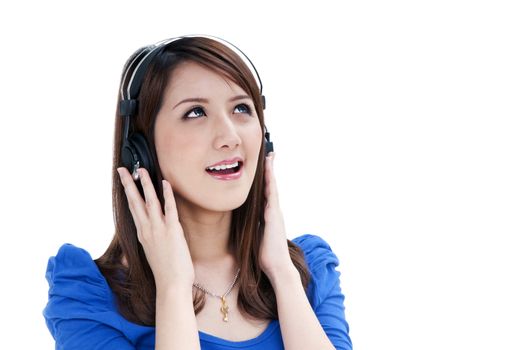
316 250
71 254
81 312
321 262
72 260
72 273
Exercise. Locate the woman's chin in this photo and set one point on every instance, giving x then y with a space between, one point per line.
222 204
216 202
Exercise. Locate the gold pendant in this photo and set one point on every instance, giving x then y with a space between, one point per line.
224 309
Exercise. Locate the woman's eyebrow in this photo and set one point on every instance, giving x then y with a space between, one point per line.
204 100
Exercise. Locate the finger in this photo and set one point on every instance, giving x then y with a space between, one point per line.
271 187
135 201
152 205
171 213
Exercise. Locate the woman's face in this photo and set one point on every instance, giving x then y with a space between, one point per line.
216 129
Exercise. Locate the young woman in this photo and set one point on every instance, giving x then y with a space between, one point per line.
200 258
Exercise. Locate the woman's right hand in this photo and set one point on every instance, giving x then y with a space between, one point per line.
161 236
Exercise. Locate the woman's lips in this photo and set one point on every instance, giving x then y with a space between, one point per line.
228 176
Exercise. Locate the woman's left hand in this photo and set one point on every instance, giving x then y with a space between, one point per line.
274 251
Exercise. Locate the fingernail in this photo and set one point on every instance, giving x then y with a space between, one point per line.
137 174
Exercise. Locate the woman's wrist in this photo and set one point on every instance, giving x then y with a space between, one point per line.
283 275
165 289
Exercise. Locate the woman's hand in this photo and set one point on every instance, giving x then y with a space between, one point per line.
274 252
161 236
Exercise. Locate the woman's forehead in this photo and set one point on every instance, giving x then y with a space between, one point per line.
190 76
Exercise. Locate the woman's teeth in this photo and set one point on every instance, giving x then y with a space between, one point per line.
223 167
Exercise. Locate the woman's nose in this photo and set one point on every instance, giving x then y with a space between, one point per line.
226 132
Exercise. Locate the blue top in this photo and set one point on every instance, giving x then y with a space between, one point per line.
81 312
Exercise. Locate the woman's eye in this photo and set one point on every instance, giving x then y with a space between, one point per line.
247 108
198 110
192 110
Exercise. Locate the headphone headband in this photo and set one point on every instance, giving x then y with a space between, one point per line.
142 60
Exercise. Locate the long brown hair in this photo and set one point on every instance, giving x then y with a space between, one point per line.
133 284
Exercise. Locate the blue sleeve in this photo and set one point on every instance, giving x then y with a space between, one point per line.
79 310
324 290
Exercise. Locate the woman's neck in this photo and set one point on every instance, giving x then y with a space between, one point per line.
207 235
208 240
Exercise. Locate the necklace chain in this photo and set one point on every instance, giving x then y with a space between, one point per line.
199 286
224 307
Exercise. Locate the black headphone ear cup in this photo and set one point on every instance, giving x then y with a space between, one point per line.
268 144
128 156
145 158
134 150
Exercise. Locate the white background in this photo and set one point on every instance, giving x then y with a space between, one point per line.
400 137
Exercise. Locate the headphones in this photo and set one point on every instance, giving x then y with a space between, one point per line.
134 148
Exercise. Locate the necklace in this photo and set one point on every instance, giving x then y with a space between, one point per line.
224 307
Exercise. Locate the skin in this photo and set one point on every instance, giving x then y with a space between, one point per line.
189 242
220 130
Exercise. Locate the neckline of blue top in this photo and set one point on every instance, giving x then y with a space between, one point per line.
271 328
